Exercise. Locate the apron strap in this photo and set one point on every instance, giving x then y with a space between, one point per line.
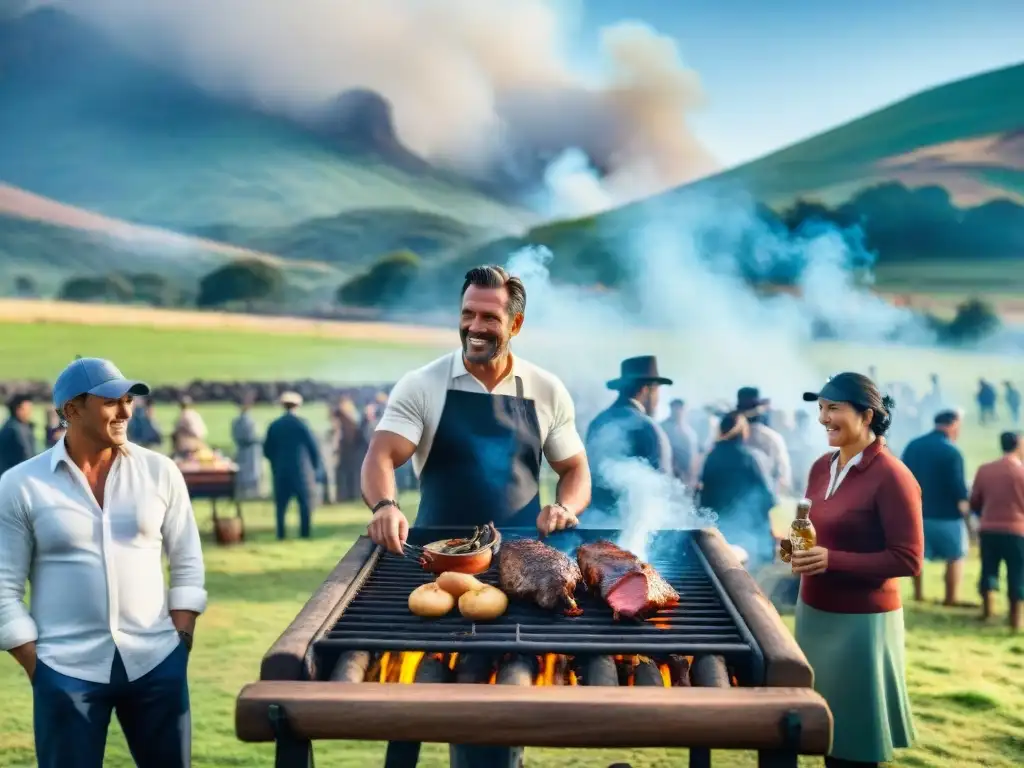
519 389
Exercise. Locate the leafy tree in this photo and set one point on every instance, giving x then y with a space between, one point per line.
244 280
25 287
156 290
112 288
974 320
388 280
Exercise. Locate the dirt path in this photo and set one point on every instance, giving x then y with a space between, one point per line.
39 311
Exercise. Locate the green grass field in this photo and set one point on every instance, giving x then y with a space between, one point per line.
995 280
965 678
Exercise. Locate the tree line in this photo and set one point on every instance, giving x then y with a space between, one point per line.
884 223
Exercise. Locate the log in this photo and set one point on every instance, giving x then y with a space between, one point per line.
714 718
646 673
710 672
679 668
518 670
433 669
474 668
597 671
352 667
291 657
785 665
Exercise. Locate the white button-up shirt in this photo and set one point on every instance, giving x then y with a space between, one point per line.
96 572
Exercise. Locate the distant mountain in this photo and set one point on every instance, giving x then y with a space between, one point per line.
89 126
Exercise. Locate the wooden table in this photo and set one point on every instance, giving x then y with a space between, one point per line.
216 482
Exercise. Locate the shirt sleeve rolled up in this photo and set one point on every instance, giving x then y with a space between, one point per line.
405 412
563 440
187 590
17 626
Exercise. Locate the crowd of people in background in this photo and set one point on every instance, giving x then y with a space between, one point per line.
737 458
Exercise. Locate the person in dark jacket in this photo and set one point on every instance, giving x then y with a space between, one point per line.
17 436
55 429
938 467
143 428
624 437
735 486
294 455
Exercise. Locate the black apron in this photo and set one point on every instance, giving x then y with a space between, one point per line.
484 463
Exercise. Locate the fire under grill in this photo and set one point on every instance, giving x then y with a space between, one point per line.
717 671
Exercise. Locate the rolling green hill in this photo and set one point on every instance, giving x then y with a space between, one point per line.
937 177
967 136
88 126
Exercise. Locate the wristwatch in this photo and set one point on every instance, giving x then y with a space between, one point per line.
186 638
563 508
385 503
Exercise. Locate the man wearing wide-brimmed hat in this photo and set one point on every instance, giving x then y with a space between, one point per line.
295 463
769 443
625 433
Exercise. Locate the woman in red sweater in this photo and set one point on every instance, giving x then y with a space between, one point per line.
866 509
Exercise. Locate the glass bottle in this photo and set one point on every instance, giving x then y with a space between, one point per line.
802 535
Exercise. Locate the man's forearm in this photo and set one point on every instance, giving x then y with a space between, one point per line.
184 621
573 489
26 656
377 479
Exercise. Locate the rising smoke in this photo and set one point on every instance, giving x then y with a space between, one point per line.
711 332
474 86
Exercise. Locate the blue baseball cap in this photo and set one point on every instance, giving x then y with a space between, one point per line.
93 376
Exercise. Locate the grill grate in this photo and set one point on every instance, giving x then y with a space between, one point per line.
377 617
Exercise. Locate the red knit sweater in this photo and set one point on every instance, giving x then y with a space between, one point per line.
872 529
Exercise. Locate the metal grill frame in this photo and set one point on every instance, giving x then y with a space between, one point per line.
291 706
745 656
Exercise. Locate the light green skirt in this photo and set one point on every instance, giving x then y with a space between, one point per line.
859 665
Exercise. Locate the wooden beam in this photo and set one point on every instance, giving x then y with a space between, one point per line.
549 716
785 664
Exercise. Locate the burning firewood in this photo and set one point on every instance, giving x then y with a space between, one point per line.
352 667
518 670
597 670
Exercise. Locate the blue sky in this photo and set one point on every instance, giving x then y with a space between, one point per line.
778 71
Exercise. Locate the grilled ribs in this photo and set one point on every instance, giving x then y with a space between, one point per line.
531 570
630 586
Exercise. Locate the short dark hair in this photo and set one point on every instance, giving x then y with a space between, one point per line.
1009 441
493 276
15 402
677 403
947 418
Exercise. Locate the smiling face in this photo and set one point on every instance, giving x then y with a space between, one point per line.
485 325
843 424
103 422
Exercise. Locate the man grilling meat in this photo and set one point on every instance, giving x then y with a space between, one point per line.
624 437
475 424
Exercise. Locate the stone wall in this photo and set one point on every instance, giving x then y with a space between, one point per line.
222 391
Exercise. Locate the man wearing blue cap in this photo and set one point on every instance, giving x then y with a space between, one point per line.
86 522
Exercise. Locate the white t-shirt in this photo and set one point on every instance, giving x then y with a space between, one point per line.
415 404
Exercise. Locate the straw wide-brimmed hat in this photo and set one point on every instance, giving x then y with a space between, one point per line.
290 398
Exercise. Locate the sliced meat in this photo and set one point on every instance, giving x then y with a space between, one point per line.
531 570
630 586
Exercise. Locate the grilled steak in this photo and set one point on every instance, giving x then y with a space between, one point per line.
630 586
531 570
